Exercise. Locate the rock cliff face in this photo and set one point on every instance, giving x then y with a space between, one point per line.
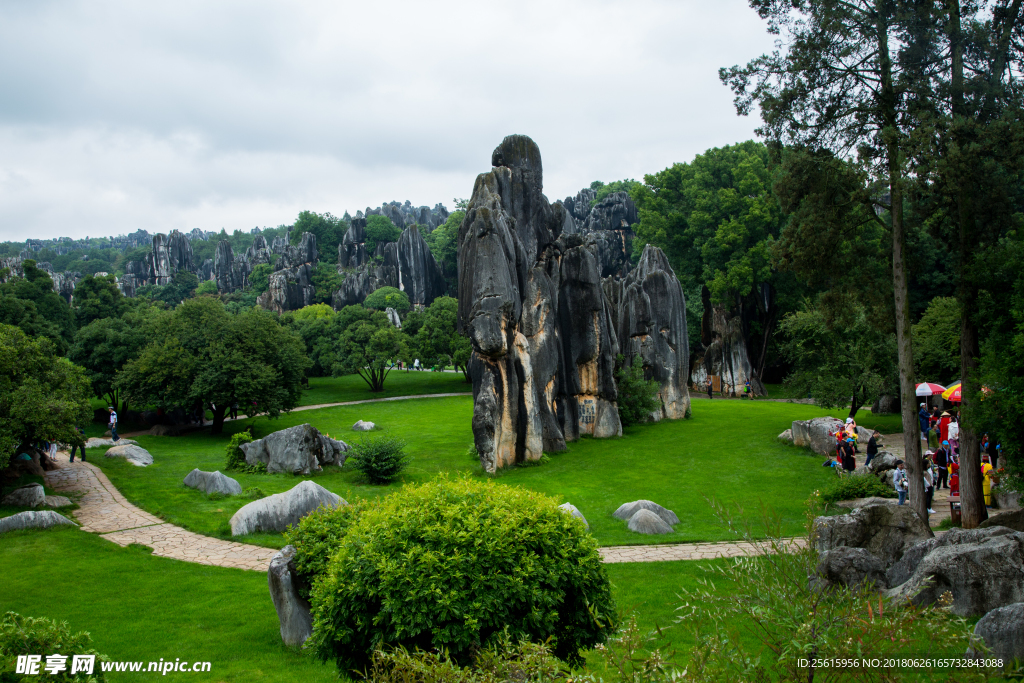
304 252
229 273
406 265
352 249
290 289
543 329
725 350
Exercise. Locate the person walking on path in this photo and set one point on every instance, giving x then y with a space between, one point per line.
986 484
924 418
929 484
113 424
899 481
78 443
710 384
942 459
872 447
953 434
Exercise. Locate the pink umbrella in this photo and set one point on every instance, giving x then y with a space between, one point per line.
929 389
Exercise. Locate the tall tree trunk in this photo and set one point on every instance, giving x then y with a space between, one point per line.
218 418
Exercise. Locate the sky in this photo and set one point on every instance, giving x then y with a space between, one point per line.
117 116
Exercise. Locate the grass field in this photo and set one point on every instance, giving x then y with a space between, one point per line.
398 383
727 451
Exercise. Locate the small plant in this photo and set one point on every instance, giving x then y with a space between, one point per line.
638 396
856 486
316 537
380 459
235 455
253 492
40 636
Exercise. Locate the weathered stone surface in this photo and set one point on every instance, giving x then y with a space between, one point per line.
418 274
1002 631
305 253
885 530
901 571
786 437
883 460
817 434
362 426
1011 520
299 450
212 482
290 289
277 512
29 496
393 317
863 502
627 510
57 501
851 567
886 405
293 611
352 249
725 352
134 454
647 522
43 519
982 573
1004 499
96 442
574 511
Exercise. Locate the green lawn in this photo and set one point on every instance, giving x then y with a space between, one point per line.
728 451
398 383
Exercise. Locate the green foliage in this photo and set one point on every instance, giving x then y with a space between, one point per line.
438 339
380 229
388 297
604 190
380 459
207 287
368 348
856 486
444 246
41 636
638 396
235 456
314 312
327 280
97 297
254 492
42 396
328 230
937 341
316 538
30 303
183 286
104 346
259 278
451 565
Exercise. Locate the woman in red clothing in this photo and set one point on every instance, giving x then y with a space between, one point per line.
954 479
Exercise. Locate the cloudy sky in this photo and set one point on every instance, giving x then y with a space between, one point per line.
117 116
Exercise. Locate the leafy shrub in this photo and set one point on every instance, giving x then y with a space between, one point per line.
388 297
253 492
856 486
450 565
206 287
40 636
638 397
236 458
380 229
316 538
380 459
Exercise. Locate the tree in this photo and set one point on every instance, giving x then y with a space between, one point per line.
443 242
846 361
326 280
42 396
380 229
937 341
97 297
207 288
388 297
603 190
368 347
208 357
183 286
259 278
36 302
328 230
439 340
638 396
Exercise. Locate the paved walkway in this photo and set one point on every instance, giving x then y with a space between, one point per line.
684 551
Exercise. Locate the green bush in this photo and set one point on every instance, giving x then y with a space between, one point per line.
380 459
380 229
856 486
40 636
254 492
450 565
388 297
638 397
316 538
236 458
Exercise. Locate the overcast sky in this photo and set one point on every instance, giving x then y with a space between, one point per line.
117 116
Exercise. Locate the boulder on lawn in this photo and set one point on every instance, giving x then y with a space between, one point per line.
296 450
136 455
851 567
786 437
574 511
43 519
212 482
1011 520
277 512
863 502
1002 629
626 511
884 530
28 496
983 571
817 434
57 501
94 442
1004 499
646 522
883 461
292 608
363 426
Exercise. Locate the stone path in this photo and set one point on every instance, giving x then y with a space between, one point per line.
684 551
103 510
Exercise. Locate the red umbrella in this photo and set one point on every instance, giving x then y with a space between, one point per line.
929 389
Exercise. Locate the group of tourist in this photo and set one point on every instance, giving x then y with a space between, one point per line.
846 447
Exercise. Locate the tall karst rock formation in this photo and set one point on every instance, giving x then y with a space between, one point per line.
545 328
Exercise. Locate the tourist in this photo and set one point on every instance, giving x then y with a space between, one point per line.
941 458
848 459
954 479
993 452
929 484
416 364
851 432
746 389
872 447
113 424
899 481
234 411
953 434
944 420
79 443
923 418
710 384
986 484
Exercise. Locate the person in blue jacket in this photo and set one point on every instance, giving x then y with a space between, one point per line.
923 417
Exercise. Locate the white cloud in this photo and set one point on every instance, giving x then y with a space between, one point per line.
119 116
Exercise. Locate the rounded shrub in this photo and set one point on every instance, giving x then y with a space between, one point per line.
235 456
316 538
388 297
856 486
380 459
450 565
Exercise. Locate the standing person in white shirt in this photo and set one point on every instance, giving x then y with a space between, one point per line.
953 434
113 424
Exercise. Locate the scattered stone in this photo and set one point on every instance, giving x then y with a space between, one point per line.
1003 499
293 611
1011 520
882 462
884 530
1002 629
393 318
787 437
574 511
97 443
213 482
862 502
297 450
43 519
28 496
277 512
851 567
136 455
362 426
57 501
817 434
647 522
626 511
982 573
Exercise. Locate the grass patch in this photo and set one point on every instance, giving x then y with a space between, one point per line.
399 383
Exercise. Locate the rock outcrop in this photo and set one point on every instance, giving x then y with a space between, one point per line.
418 274
212 482
543 330
298 450
1002 631
571 509
818 434
851 567
361 426
886 531
1011 520
647 522
28 496
352 249
136 455
406 265
293 611
43 519
627 510
275 513
290 290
